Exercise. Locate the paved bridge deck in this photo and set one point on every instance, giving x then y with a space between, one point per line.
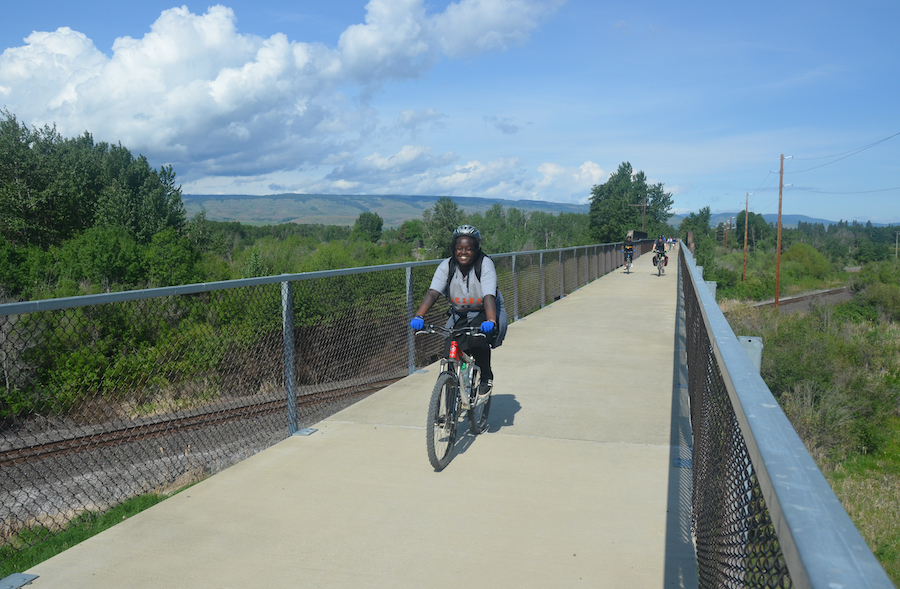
574 485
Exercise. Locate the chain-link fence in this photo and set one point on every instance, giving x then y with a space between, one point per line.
762 515
107 397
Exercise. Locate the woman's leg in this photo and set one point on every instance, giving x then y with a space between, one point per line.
483 360
480 348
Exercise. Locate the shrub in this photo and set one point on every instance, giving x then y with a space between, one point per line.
885 298
809 262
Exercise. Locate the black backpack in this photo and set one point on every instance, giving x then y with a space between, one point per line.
502 317
454 265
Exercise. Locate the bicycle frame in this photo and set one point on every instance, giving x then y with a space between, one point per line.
459 362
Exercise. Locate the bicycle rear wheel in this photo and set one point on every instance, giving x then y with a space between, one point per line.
441 426
480 408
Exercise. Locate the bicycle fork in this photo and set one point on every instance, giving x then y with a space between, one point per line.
463 366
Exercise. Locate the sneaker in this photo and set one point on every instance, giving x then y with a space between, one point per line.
485 388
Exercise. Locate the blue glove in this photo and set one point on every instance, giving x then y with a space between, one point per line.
487 326
417 323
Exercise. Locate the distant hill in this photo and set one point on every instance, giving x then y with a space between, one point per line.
333 209
788 221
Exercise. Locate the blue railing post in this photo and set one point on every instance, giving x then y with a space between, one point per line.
410 336
541 264
562 277
515 279
287 321
577 269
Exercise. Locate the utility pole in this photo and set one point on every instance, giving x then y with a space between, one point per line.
731 227
778 245
643 205
746 213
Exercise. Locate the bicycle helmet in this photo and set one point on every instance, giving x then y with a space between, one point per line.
466 231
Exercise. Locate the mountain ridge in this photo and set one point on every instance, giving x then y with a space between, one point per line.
343 209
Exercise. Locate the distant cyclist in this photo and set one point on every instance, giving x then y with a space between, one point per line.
469 281
659 249
628 250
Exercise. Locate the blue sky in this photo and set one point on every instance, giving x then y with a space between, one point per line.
517 99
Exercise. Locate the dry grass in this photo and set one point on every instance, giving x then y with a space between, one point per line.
872 499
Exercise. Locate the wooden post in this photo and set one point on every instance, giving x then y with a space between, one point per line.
746 214
778 245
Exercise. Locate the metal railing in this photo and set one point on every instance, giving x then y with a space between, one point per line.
107 397
763 514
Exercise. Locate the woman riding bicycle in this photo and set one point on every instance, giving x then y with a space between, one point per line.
473 296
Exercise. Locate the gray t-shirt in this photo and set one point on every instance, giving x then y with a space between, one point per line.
466 292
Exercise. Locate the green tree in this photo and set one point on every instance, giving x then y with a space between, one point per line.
170 259
659 203
137 197
440 221
102 256
52 188
368 226
617 205
411 232
758 230
697 224
46 184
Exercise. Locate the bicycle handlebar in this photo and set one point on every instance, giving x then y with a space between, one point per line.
468 330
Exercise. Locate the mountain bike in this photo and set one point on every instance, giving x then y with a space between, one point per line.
629 256
660 261
455 391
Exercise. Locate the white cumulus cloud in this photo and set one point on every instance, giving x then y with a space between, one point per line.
561 183
197 93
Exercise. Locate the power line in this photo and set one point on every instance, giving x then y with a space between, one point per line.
851 152
850 192
841 156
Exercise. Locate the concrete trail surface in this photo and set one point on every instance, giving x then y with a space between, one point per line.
575 484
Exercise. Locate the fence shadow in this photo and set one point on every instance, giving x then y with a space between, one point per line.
680 560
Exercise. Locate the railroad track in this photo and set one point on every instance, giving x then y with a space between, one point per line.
123 435
840 292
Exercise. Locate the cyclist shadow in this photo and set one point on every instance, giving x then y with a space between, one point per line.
503 412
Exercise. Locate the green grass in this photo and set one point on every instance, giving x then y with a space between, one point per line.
868 486
30 547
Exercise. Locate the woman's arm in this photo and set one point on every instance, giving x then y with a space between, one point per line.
490 308
430 298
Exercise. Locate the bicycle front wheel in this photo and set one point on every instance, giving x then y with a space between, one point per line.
478 413
441 427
